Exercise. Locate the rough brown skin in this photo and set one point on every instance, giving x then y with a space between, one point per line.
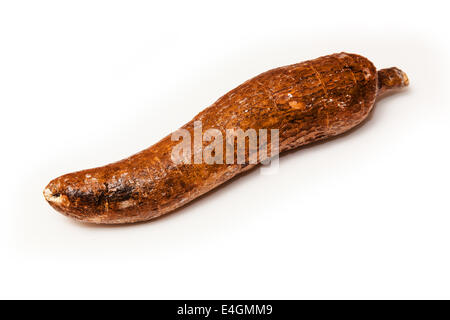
307 102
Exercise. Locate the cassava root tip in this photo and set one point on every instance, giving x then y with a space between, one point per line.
391 78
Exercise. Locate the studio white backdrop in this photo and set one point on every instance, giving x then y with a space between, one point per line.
86 83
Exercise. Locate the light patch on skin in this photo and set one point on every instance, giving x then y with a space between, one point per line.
367 73
341 105
89 178
296 105
93 219
125 204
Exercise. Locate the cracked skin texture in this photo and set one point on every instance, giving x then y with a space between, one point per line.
306 102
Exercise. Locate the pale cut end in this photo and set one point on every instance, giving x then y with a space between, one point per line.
391 78
55 199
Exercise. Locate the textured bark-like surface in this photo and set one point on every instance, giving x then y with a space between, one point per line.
306 102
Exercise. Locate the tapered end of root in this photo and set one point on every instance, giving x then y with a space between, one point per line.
54 197
391 78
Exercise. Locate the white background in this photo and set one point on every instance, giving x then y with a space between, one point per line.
85 83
